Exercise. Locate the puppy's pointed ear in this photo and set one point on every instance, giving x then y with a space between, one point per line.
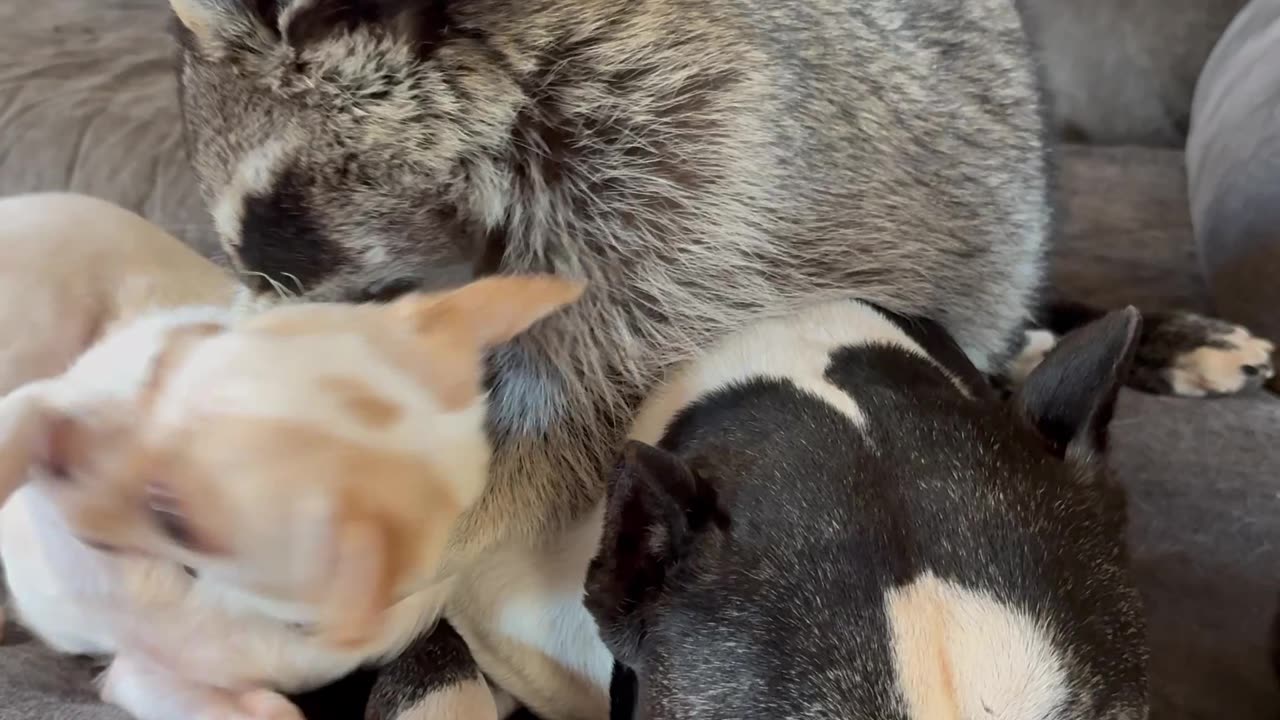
657 508
1070 397
488 312
458 326
33 433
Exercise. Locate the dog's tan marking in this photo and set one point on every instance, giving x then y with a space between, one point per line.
448 366
961 654
363 402
1222 371
919 619
176 346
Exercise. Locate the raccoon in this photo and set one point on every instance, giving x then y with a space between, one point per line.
700 163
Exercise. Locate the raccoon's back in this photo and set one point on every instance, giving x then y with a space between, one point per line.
887 149
916 126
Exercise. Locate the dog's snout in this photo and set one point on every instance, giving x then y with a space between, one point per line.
385 291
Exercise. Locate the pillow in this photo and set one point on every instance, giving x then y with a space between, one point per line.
1233 169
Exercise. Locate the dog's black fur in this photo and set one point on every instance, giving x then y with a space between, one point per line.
747 556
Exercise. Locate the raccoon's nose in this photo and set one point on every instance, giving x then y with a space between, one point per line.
385 291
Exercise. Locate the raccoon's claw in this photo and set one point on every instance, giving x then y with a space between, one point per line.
1229 361
1179 353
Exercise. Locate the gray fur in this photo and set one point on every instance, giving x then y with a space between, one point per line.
702 163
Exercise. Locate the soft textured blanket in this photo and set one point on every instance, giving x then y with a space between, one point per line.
88 102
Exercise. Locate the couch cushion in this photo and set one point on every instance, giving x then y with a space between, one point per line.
1125 234
88 102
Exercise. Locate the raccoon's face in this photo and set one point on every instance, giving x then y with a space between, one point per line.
331 137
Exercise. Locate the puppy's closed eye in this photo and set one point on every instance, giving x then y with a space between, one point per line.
166 512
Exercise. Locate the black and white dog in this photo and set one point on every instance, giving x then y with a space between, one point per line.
834 516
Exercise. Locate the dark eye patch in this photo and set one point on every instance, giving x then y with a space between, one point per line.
283 238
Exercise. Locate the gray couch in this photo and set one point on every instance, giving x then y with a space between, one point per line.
87 102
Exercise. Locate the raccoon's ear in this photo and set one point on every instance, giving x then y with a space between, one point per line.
209 20
1070 396
302 22
657 508
198 17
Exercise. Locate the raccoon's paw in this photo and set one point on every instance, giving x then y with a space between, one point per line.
1193 356
268 705
1180 354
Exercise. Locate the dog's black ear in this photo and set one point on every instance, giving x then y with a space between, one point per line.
656 509
1070 397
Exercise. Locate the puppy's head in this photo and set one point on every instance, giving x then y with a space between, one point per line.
955 557
311 460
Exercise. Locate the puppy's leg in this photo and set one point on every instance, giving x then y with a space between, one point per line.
435 678
149 692
522 614
1179 353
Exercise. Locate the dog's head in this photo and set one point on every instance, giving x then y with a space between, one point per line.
954 558
332 139
311 460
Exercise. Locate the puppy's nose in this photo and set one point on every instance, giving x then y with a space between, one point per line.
386 291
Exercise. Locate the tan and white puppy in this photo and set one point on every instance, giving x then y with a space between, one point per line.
73 267
312 457
325 450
